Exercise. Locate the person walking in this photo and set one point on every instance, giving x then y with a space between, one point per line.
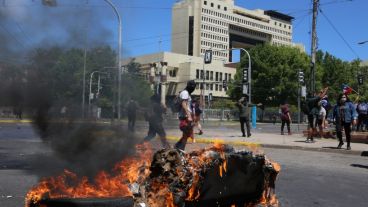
362 110
197 111
131 109
312 111
186 116
154 117
243 106
344 113
285 118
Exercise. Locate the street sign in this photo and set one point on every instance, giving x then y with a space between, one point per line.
245 75
208 56
245 89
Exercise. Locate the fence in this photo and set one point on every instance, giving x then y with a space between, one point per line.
267 115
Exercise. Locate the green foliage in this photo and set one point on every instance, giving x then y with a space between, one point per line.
274 74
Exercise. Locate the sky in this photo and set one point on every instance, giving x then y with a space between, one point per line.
146 25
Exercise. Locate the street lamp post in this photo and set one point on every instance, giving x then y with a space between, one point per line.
90 89
118 57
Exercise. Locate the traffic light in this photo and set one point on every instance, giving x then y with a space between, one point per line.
245 75
224 84
301 77
360 79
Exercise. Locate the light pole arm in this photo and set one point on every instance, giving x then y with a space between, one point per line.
119 55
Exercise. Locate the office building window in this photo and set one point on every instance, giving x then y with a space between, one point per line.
207 86
207 75
205 2
220 87
229 77
211 87
225 76
218 6
211 4
197 74
202 74
216 87
220 76
225 8
211 75
216 77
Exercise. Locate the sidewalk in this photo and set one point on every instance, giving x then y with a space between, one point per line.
268 140
229 132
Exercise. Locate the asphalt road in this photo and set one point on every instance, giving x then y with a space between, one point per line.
306 178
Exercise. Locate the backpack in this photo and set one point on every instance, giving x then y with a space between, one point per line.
176 105
363 108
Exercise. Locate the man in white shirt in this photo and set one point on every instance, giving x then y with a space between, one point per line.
321 118
185 115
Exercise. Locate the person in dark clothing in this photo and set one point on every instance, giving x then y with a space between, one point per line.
285 118
243 106
131 112
345 114
186 115
155 119
313 114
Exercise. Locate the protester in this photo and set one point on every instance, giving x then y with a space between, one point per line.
345 114
131 109
197 111
243 106
185 115
285 118
313 113
362 110
321 118
154 117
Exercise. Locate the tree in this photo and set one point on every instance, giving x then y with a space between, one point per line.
274 74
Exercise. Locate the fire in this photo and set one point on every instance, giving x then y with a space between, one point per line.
104 185
170 176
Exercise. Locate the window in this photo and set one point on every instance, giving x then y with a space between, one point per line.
220 87
205 2
211 75
218 6
211 87
216 87
202 74
197 74
216 79
225 8
207 75
229 76
207 86
211 4
225 76
220 76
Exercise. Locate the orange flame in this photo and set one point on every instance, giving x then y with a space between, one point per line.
104 185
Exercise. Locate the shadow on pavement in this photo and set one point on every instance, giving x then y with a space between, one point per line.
360 166
364 154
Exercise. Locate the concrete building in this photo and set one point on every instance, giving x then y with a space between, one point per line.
198 25
173 70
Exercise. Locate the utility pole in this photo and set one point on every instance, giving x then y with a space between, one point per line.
314 47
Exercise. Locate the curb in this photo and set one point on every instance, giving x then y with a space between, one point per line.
273 146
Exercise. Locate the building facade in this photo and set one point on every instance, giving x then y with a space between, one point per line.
177 69
199 25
